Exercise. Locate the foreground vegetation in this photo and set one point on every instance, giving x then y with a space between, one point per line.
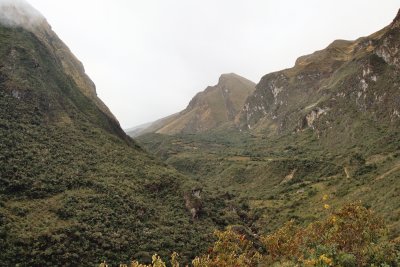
351 236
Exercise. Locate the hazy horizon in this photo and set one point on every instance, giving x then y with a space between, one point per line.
149 58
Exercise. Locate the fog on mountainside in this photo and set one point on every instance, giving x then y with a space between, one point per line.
19 13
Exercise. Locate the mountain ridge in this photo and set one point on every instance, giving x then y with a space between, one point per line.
210 108
282 96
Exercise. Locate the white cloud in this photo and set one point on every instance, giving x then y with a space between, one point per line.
19 13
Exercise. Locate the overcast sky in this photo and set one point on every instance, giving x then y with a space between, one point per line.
148 58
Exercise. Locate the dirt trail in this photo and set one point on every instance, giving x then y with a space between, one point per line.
395 168
346 171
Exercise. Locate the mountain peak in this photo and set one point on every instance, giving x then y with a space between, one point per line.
396 21
209 109
233 80
230 76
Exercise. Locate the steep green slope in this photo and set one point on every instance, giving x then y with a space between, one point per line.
74 189
327 126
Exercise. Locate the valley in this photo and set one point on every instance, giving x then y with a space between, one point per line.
326 128
298 158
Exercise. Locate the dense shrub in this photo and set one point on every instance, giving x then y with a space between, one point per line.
351 236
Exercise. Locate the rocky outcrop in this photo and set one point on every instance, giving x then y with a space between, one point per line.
310 118
193 202
389 47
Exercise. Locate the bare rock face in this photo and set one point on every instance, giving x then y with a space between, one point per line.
389 47
193 202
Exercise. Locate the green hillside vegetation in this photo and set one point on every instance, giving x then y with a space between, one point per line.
74 189
277 182
351 236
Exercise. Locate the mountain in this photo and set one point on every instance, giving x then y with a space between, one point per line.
329 126
19 13
74 189
331 89
209 109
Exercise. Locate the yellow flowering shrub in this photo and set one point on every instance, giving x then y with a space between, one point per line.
351 236
352 230
230 249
